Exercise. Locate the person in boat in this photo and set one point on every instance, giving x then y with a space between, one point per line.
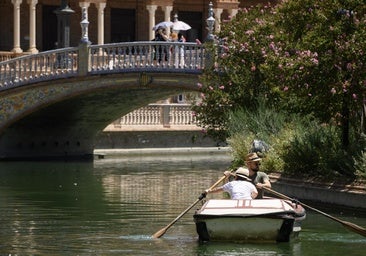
259 179
239 188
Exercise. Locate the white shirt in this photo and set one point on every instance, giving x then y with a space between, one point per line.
240 189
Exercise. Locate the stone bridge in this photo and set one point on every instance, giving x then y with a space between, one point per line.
53 104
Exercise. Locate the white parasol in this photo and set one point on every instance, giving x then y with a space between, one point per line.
164 24
180 25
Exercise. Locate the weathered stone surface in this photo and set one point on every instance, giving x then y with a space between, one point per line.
341 192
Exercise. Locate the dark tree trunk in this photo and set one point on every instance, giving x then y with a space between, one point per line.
345 123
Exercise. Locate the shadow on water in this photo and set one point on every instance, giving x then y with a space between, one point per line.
51 184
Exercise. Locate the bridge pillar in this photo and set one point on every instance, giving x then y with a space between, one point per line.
84 58
32 26
151 8
16 25
101 7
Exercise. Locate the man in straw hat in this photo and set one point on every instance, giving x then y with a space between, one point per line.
259 179
240 188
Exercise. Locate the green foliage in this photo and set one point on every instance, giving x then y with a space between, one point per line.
319 61
315 151
360 165
304 56
359 155
265 124
298 146
235 82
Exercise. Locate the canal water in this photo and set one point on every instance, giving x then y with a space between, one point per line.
113 206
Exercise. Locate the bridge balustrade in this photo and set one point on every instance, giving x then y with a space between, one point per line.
43 66
149 56
158 115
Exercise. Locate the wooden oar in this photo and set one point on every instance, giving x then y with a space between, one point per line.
351 226
162 231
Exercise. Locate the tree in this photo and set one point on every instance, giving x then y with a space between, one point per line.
236 80
305 56
320 61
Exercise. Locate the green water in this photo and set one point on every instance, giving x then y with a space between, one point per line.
113 206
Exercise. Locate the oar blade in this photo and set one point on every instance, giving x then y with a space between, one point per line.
160 233
355 228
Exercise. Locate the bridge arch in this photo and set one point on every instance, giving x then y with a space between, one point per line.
60 118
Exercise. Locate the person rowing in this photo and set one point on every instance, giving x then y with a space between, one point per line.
239 188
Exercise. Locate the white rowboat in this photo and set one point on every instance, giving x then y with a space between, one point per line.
258 220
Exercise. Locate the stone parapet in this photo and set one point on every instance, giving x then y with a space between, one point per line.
336 193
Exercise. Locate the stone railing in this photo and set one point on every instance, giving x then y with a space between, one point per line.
39 67
84 60
147 56
157 116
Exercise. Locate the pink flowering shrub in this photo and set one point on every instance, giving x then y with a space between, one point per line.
303 56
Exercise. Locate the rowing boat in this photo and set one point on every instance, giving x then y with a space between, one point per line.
258 220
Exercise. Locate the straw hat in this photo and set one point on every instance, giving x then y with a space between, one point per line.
242 172
252 157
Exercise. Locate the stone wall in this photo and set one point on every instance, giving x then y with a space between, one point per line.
343 195
153 139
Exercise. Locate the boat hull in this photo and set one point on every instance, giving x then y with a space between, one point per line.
247 220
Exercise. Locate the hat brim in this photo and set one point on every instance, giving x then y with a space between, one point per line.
257 159
243 176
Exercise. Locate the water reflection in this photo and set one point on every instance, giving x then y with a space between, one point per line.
112 207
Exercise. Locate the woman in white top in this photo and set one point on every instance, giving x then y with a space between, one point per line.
240 188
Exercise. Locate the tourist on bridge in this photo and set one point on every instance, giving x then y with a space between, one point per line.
161 52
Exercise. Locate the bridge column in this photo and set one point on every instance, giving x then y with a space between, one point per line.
16 33
84 58
32 26
218 12
167 11
151 8
84 50
100 7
